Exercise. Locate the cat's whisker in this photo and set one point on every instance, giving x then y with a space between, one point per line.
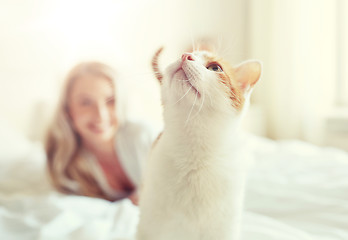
194 102
201 106
227 50
193 43
182 96
219 44
211 101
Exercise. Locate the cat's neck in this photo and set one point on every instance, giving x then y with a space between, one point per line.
203 131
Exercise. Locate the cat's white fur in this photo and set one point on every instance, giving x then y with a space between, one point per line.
194 179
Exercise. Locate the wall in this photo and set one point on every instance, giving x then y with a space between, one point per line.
297 41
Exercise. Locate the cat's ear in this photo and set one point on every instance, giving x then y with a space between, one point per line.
155 67
247 74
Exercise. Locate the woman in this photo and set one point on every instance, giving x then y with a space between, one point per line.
91 149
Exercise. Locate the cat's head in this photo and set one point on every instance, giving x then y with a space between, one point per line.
201 82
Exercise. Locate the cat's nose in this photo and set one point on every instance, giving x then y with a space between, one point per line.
187 56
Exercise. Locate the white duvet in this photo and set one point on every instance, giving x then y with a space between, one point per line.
295 191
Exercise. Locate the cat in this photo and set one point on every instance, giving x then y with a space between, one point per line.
194 178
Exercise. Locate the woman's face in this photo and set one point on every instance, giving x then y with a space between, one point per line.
91 104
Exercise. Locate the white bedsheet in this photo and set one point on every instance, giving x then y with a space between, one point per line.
295 191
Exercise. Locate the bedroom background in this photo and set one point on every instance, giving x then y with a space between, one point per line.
303 93
295 190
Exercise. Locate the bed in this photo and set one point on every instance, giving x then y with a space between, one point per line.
295 191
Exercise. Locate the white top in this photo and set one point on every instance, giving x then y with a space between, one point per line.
133 142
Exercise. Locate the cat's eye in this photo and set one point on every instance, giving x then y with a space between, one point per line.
215 67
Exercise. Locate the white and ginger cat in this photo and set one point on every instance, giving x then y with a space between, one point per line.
194 179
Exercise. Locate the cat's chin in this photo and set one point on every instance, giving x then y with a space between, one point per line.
180 76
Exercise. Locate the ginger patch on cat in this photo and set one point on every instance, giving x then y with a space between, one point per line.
227 78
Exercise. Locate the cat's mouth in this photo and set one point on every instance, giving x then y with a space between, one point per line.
181 76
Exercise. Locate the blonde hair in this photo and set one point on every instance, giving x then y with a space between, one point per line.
66 167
